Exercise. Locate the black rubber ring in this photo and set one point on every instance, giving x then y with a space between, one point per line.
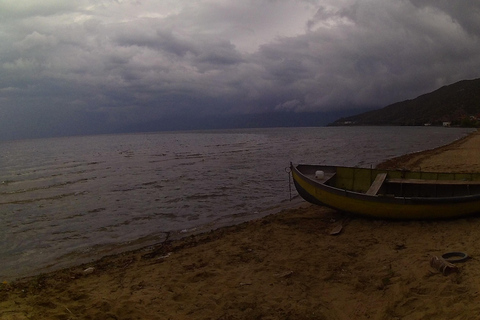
455 256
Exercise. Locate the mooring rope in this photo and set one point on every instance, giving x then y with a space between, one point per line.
287 170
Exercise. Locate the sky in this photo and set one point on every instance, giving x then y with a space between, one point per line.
80 67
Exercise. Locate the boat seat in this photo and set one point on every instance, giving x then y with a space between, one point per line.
377 183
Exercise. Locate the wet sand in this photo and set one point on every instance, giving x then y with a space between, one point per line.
283 266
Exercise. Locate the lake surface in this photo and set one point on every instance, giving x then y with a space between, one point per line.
65 201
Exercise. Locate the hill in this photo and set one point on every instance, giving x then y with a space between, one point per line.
458 103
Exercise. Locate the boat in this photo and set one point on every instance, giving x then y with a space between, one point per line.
389 194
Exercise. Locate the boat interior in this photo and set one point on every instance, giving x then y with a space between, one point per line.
396 183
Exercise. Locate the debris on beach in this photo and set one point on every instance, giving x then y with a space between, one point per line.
337 229
165 256
89 270
285 274
455 256
443 266
338 226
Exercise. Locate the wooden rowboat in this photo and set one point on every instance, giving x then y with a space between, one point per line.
395 194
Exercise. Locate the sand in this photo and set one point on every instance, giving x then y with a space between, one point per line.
283 266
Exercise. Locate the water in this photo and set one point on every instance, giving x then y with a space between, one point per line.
64 201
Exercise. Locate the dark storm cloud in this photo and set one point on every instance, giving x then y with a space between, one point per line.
465 14
121 62
374 55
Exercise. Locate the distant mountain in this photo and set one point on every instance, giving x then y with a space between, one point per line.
261 120
458 103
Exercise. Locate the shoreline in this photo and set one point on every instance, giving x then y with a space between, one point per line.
285 265
460 156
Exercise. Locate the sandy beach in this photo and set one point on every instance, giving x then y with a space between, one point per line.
283 266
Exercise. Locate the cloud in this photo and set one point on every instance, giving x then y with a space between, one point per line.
465 15
373 55
12 9
35 41
124 62
288 105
